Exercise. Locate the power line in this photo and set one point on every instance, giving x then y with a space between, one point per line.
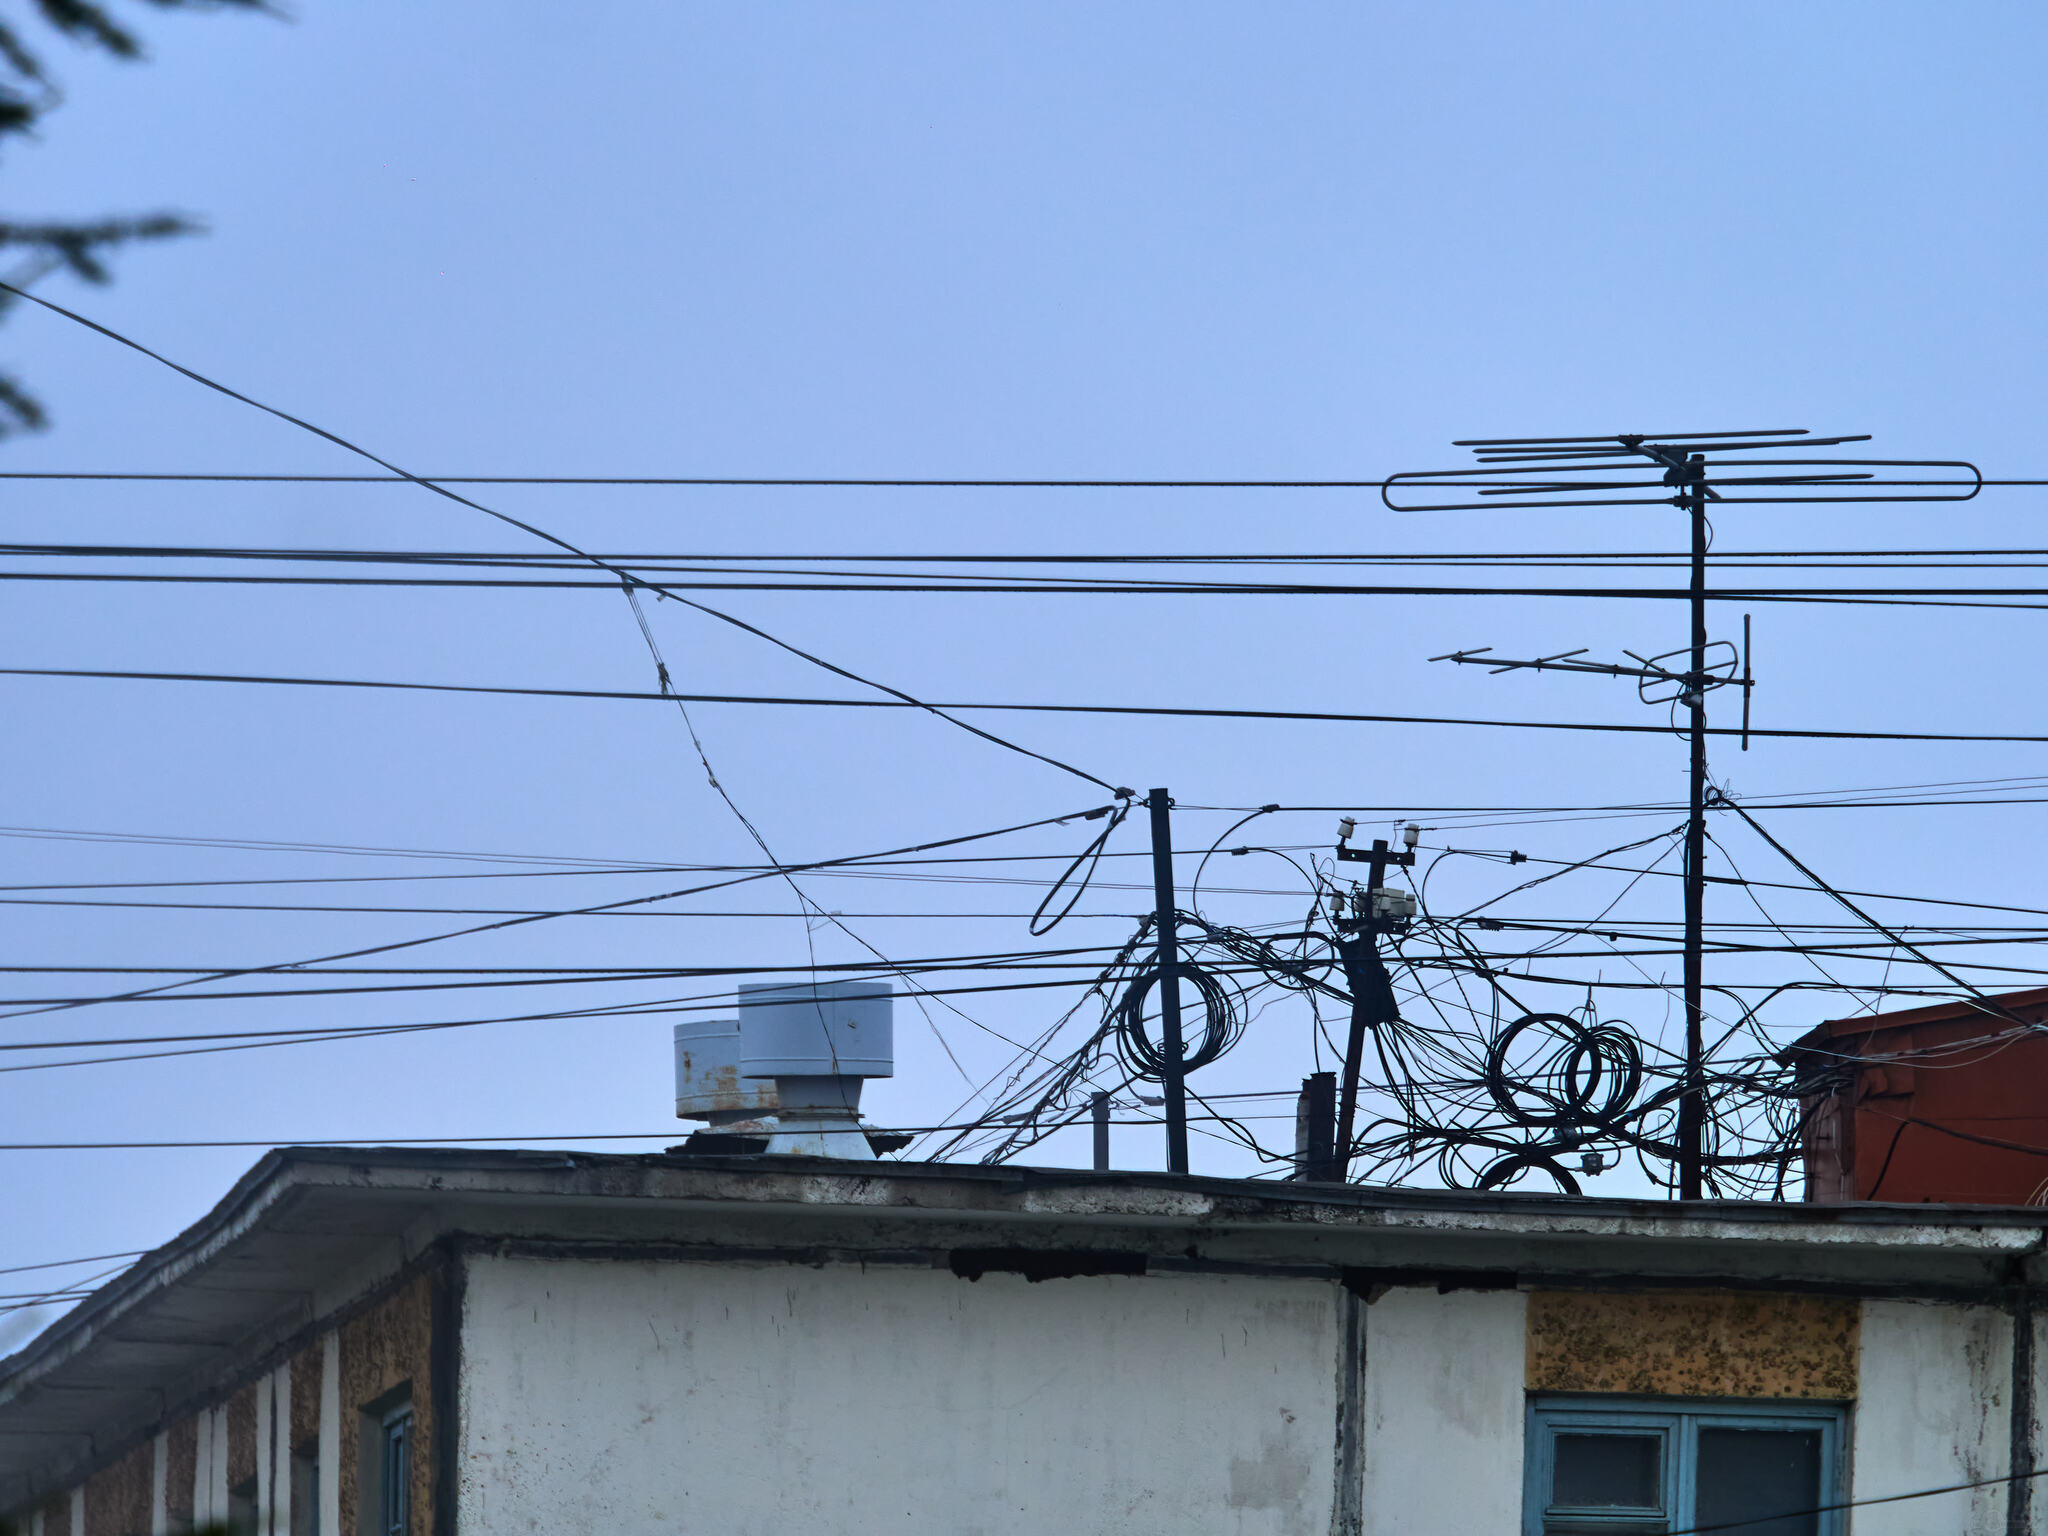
30 1006
820 481
197 1044
1158 710
269 845
1753 1522
302 907
459 1141
702 560
1821 799
513 922
1999 598
540 533
92 1258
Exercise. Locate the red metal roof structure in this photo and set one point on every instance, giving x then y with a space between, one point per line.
1946 1103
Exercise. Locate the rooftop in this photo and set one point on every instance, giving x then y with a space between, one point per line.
309 1229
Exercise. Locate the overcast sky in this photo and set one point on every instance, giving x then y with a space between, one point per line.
1141 241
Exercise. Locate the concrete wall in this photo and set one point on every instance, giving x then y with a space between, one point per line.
754 1400
1933 1389
1443 1413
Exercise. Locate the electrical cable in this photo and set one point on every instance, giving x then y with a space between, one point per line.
1995 598
1987 1003
93 1258
400 477
1837 558
440 490
1159 710
513 922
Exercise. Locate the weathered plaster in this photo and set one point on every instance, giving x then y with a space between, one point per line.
330 1446
1444 1395
1932 1411
761 1400
1694 1344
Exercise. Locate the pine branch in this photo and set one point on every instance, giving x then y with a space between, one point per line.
26 93
83 20
19 410
78 247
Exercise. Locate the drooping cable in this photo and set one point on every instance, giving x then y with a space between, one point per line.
541 533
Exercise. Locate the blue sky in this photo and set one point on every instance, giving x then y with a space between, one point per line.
1179 241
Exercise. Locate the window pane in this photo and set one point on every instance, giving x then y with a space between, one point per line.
397 1491
1757 1476
1608 1472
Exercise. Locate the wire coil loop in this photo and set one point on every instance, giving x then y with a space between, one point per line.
1222 1023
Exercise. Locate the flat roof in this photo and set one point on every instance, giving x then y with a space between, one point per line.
307 1230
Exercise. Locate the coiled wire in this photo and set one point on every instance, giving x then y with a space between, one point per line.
1222 1022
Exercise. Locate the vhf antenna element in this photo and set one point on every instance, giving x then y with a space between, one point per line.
1686 470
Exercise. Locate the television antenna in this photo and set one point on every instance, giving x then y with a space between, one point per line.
1686 470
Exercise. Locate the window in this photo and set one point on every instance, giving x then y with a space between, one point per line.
394 1482
1620 1467
384 1465
305 1511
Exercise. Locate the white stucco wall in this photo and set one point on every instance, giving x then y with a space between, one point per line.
1444 1398
2038 1486
755 1400
1933 1387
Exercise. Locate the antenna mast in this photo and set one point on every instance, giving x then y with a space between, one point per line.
1698 467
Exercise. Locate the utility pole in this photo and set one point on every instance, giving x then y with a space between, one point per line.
1365 974
1171 1078
1692 1106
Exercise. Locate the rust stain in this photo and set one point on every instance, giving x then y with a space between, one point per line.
1694 1344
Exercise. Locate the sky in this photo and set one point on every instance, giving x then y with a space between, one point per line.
1150 241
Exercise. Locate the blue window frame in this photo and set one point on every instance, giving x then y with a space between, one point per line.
1648 1466
394 1511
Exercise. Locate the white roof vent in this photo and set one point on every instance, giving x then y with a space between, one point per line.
708 1082
818 1041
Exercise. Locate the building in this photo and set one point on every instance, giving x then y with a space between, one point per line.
1941 1103
443 1342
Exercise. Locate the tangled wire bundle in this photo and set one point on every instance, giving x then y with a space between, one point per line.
1222 1023
1586 1076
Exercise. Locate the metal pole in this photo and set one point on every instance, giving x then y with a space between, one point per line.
1161 805
1692 1106
1098 1107
1362 970
1354 1054
1315 1129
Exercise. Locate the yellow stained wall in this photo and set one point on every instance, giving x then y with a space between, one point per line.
1694 1344
117 1497
384 1346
